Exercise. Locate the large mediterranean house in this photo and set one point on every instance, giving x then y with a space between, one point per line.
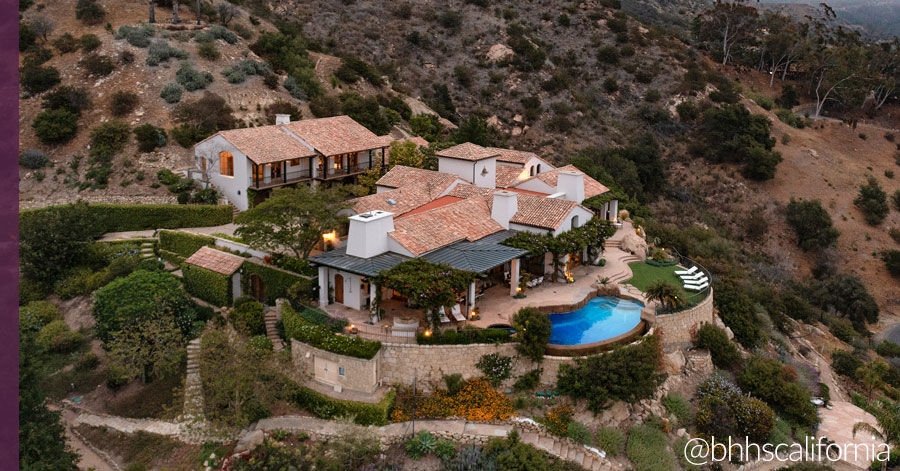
246 162
458 215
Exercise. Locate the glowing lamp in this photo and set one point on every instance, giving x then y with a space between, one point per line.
329 236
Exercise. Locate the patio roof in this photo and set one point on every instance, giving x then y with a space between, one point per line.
478 256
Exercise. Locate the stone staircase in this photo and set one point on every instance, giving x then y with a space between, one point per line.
271 331
567 450
146 249
235 212
193 394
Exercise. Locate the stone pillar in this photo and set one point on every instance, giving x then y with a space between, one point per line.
514 277
471 298
372 290
604 214
323 286
615 211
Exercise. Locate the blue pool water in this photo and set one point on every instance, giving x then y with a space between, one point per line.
601 318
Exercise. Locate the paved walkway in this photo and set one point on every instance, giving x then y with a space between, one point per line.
224 229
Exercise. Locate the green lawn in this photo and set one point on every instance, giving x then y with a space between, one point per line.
645 275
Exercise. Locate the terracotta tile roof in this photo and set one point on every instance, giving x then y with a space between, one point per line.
266 144
509 175
467 151
511 155
400 176
442 201
215 260
404 199
337 135
528 192
591 187
533 210
429 230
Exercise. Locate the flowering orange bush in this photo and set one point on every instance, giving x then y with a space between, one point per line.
476 400
557 419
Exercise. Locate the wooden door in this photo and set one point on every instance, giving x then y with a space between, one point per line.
326 371
258 288
339 289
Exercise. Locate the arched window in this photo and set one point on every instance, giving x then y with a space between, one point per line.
538 169
226 164
531 171
574 221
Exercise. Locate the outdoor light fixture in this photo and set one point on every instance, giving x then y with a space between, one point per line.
329 236
428 333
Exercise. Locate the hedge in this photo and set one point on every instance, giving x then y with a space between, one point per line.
277 281
171 257
469 335
325 407
184 244
320 336
210 286
138 217
318 316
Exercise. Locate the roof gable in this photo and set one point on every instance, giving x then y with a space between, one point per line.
216 260
591 187
467 151
266 144
337 135
429 230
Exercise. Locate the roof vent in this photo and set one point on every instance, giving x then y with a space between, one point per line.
366 215
391 202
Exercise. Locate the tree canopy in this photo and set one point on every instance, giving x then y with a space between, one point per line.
292 218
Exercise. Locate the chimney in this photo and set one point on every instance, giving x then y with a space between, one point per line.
282 119
504 207
368 235
572 184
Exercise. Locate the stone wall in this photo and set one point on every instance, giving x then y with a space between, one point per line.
359 374
678 329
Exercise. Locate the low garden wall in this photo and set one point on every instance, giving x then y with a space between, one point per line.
359 374
678 328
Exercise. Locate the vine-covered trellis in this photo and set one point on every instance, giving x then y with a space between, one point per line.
430 286
591 235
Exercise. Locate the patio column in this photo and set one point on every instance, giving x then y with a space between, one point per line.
605 213
372 290
514 277
615 210
323 286
471 298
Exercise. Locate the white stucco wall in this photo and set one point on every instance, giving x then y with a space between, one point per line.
583 217
535 184
234 188
471 171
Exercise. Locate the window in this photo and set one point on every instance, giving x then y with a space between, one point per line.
226 164
341 371
203 163
574 221
531 171
295 162
538 169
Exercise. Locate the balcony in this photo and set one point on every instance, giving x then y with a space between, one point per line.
344 171
285 178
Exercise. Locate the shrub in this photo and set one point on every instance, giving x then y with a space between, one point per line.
150 137
737 311
363 413
249 318
846 363
271 81
420 445
282 107
183 243
608 55
210 286
888 349
87 361
325 106
208 51
160 51
192 79
532 332
90 12
812 224
98 65
55 126
33 159
496 367
108 139
528 381
579 433
724 410
221 32
843 330
469 335
234 75
36 314
872 201
138 36
647 449
171 93
123 102
68 98
611 440
767 380
322 337
724 353
36 79
66 43
89 42
627 373
58 338
892 261
678 406
847 295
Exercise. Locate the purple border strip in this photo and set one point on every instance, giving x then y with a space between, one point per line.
9 222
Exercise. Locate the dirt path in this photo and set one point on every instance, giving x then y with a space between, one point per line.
89 458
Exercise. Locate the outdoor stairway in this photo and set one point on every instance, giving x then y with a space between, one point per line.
565 449
146 248
271 331
193 395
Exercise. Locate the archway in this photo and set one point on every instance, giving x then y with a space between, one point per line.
258 288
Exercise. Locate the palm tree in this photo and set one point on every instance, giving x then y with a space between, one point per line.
887 415
668 295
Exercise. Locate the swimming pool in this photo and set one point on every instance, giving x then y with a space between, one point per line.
600 319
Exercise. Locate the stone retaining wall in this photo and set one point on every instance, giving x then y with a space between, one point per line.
678 328
359 374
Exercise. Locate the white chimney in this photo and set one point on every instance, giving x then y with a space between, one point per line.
504 207
282 119
572 184
368 235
